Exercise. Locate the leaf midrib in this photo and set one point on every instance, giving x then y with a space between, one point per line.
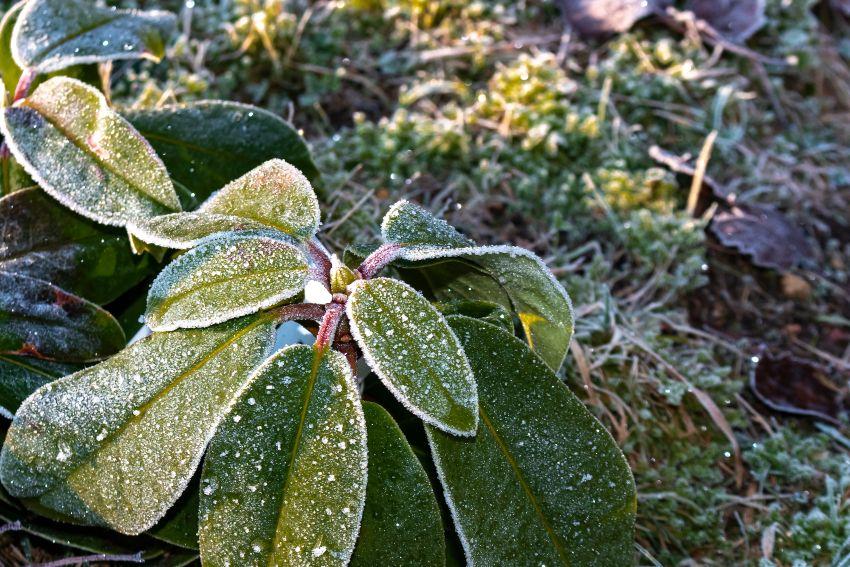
526 488
318 356
112 436
95 157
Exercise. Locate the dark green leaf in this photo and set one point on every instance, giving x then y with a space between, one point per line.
483 310
510 276
234 139
39 319
275 194
115 444
20 376
54 34
401 522
85 155
411 348
225 277
542 482
284 480
41 239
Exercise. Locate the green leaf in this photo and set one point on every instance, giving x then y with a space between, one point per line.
85 155
483 310
452 268
187 230
234 139
116 444
54 34
284 480
20 376
9 70
12 176
401 521
40 319
180 525
411 348
41 239
542 482
275 194
225 277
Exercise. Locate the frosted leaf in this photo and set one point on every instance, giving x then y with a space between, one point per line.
20 376
539 454
411 348
42 320
512 277
186 230
273 503
54 34
401 521
235 138
42 239
85 155
224 277
275 194
159 400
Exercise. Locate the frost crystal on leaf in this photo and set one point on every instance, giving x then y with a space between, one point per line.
85 155
266 494
275 194
226 276
411 348
54 34
115 444
186 230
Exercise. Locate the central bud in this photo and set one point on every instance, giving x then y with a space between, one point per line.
341 277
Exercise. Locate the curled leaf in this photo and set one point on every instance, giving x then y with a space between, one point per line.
764 234
115 444
42 320
85 155
414 352
284 480
225 277
54 34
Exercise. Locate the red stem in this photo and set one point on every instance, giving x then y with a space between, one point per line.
330 322
24 83
320 265
379 259
300 312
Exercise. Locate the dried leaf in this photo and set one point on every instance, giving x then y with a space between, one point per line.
793 385
763 233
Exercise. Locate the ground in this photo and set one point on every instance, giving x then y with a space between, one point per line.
515 130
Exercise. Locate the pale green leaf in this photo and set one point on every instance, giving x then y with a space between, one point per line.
451 268
186 230
116 444
234 139
54 34
284 479
401 522
275 194
20 376
42 239
9 70
225 277
411 348
85 155
542 482
40 319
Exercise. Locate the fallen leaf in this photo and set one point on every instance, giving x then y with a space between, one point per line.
794 385
736 20
602 17
764 234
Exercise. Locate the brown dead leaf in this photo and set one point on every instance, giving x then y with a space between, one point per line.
736 20
794 385
764 234
595 18
795 287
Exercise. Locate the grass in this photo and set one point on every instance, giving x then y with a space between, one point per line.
488 113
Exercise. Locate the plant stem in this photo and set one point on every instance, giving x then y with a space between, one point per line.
320 263
22 89
134 558
378 260
330 322
300 312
